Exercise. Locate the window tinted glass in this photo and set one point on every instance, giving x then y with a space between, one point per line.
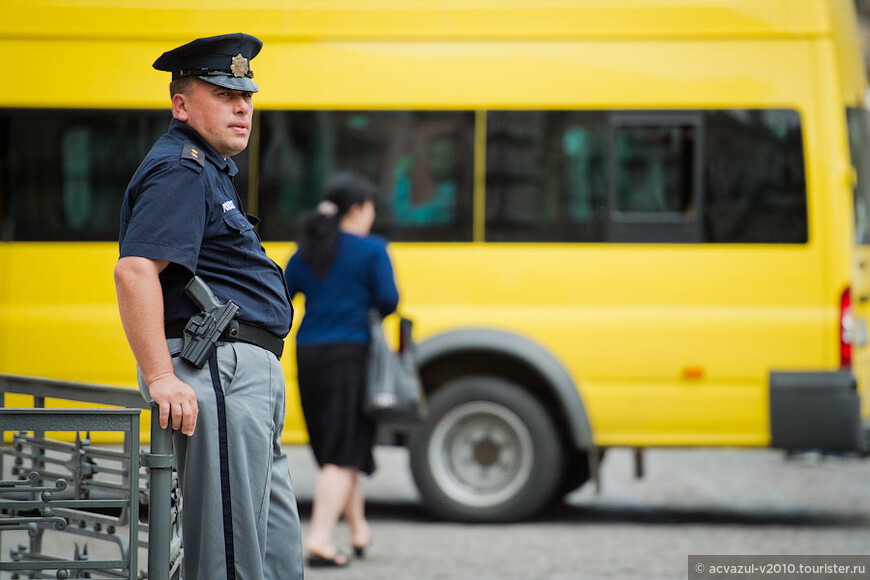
754 183
550 175
546 176
734 176
421 162
654 169
859 147
63 173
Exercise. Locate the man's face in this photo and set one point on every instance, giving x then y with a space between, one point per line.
221 116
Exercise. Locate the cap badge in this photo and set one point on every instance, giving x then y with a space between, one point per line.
239 68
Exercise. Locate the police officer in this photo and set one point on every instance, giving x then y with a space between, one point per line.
181 217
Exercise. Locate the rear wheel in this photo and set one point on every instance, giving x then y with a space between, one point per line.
575 471
488 452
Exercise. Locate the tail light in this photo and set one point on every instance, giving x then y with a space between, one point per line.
847 324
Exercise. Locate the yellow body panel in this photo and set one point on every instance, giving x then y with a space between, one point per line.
667 344
279 20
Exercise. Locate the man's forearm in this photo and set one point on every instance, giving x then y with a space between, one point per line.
140 302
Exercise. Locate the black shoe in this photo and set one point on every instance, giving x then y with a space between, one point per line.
339 560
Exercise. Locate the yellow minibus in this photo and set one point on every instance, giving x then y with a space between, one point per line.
615 224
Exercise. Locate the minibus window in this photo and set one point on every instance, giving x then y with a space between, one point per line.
754 181
63 172
722 176
717 176
546 176
421 162
859 149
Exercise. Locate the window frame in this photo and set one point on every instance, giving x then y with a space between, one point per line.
648 227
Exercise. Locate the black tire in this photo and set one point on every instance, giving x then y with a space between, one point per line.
575 471
489 452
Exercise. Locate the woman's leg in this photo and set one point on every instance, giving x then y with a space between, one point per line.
331 494
355 513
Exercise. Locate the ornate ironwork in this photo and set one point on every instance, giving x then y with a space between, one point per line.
85 491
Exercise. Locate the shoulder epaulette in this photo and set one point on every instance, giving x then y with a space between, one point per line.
193 152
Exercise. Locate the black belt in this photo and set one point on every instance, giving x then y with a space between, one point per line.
238 331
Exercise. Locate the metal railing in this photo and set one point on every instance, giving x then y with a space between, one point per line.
73 487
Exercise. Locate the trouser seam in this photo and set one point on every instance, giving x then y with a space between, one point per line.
224 466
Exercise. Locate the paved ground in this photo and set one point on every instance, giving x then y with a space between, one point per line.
691 502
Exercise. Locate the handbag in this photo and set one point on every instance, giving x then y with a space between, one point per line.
394 391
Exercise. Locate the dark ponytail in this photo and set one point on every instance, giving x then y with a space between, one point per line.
320 230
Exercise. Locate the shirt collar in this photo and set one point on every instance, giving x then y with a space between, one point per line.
184 131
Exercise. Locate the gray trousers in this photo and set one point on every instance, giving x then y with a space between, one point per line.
240 520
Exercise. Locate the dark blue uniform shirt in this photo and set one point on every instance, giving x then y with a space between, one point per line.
181 206
336 306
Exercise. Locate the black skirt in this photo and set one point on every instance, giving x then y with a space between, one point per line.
331 386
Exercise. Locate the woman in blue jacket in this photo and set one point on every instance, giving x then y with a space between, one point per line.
343 273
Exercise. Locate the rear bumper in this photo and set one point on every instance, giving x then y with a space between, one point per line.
816 410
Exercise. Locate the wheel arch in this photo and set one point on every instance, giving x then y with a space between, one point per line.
468 351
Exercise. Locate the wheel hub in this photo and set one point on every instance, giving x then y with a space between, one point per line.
486 452
482 453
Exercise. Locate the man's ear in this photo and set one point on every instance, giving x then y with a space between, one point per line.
179 107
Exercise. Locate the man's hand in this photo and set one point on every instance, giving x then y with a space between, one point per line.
176 398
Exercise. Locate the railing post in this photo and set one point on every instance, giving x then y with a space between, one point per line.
131 442
159 462
37 464
2 444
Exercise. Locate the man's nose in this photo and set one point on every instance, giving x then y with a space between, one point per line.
242 105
